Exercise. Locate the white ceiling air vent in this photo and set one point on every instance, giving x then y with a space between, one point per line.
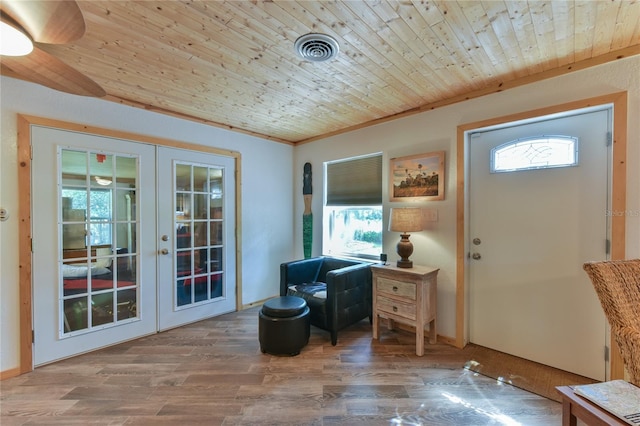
317 47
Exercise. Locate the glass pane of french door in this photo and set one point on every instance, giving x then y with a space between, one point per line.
198 233
98 259
196 221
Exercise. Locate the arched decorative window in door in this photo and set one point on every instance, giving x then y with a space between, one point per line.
537 152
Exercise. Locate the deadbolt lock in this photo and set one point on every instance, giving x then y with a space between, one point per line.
476 241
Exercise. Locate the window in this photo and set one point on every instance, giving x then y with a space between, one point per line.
539 152
353 207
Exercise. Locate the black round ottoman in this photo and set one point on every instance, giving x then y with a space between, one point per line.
283 325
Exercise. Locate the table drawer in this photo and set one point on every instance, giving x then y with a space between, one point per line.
395 307
397 288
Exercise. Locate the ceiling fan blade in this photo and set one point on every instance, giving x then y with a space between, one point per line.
52 22
42 68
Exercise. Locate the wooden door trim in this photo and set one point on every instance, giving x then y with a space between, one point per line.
618 198
24 211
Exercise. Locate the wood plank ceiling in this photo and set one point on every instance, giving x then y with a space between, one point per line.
232 63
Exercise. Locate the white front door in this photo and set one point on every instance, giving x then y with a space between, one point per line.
94 257
530 232
196 236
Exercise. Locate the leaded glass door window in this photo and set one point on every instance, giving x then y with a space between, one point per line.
535 152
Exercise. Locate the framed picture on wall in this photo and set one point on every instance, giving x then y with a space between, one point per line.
417 177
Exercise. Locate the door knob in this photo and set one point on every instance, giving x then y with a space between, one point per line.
164 251
476 256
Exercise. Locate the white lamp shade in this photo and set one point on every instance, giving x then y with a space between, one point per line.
405 219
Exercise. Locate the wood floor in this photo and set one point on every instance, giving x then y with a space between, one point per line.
213 373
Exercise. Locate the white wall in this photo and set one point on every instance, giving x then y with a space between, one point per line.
436 130
267 189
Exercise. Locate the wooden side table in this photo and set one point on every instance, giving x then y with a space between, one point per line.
408 296
575 407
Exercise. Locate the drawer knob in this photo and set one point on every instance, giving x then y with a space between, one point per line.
395 288
395 309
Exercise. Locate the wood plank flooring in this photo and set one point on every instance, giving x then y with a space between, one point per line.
213 373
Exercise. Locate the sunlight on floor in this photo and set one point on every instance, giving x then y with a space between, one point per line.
501 418
415 420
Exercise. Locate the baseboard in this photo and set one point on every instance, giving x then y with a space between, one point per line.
256 303
7 374
451 341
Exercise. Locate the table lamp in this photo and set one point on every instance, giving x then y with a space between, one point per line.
405 219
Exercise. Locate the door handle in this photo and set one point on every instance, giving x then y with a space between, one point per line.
476 256
164 251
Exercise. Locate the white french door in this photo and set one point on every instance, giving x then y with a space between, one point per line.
530 232
128 239
94 259
196 231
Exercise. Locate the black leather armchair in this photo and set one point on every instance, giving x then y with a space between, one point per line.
337 291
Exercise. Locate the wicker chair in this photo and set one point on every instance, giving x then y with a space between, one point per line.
617 283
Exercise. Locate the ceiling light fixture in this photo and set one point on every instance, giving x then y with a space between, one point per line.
317 47
102 181
14 42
